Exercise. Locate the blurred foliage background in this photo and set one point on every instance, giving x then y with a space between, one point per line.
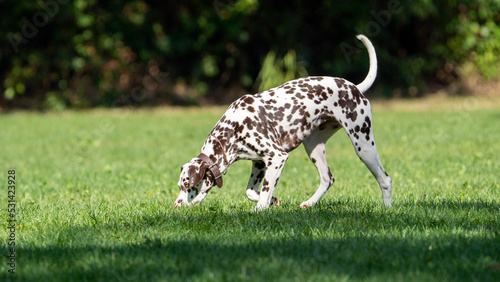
59 54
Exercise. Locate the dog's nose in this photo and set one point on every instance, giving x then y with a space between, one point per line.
177 204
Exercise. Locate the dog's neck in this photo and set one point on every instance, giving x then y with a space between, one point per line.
218 151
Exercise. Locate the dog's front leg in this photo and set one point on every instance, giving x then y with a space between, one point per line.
258 173
275 165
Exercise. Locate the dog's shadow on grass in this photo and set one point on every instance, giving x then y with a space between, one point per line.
335 239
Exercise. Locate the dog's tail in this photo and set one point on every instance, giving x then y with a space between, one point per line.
372 73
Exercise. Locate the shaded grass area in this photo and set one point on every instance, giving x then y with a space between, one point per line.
450 240
95 191
430 240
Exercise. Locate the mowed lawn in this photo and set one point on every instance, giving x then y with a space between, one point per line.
95 190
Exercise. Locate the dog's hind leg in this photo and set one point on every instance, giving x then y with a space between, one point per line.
315 148
258 172
362 139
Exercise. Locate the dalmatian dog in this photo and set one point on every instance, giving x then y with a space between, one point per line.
266 126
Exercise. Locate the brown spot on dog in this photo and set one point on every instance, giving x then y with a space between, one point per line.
340 82
248 100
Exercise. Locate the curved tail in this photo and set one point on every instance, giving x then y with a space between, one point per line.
372 73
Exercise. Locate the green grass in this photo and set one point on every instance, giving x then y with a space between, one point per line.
95 192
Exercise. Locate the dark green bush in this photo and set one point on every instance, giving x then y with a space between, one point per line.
61 53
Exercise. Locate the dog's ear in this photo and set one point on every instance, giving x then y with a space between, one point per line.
196 177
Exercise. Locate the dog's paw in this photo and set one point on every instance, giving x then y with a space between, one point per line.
307 204
260 207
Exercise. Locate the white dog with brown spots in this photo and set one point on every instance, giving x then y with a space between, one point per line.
266 126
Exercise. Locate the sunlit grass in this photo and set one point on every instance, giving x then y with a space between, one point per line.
95 191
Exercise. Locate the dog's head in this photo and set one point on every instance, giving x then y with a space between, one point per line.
195 182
